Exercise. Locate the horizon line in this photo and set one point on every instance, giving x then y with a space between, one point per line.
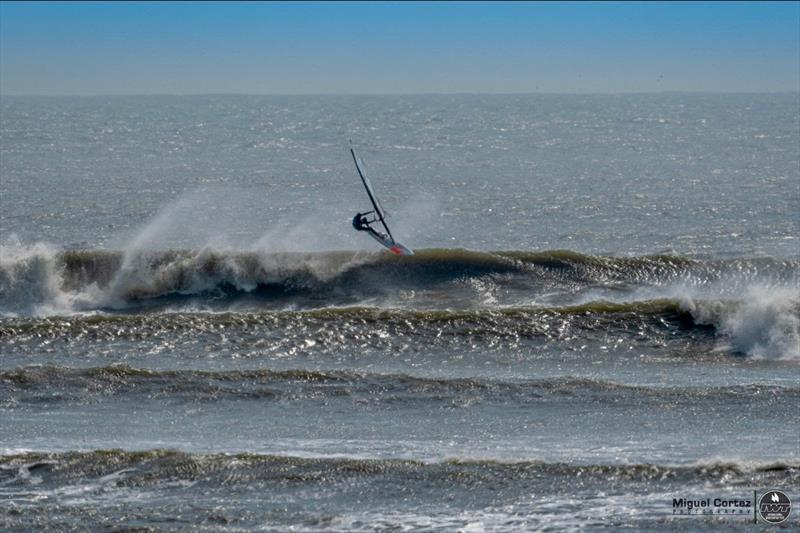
459 93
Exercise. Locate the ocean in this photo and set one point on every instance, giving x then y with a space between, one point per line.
601 319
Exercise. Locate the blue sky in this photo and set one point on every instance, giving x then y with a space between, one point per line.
387 47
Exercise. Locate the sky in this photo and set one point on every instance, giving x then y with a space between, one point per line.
75 48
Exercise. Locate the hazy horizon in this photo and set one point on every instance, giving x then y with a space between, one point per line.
376 48
464 93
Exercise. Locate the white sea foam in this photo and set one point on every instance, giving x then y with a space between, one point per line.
763 323
30 279
766 324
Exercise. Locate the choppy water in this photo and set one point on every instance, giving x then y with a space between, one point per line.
603 313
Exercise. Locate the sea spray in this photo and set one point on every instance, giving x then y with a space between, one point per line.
30 279
764 323
198 217
415 221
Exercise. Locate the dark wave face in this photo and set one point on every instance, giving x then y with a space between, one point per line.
85 280
505 297
157 467
232 492
45 384
651 328
330 329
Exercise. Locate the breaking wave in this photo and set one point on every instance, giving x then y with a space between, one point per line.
752 304
764 324
33 278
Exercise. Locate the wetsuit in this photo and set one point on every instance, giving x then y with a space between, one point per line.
360 223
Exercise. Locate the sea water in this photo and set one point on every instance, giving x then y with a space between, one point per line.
602 315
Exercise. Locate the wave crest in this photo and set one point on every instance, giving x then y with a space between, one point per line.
764 324
154 467
35 277
753 304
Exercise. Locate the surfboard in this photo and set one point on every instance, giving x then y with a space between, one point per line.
386 239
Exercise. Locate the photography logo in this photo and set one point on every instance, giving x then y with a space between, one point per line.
774 507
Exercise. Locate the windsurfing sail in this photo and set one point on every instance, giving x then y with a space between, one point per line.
379 213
